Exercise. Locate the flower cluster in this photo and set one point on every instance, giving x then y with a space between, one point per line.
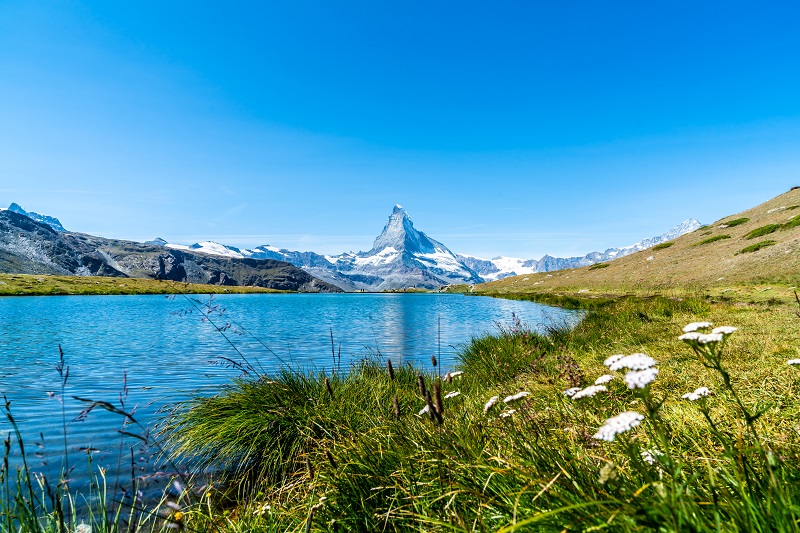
618 424
637 361
589 391
706 344
793 362
569 393
493 400
602 380
651 456
515 397
701 392
640 379
451 394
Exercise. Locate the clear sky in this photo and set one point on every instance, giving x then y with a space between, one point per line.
504 128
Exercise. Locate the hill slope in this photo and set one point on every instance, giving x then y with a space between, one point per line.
760 245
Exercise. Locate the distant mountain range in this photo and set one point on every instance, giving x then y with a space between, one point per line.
403 256
503 267
400 257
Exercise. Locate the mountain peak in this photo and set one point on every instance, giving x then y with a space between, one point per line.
42 219
400 234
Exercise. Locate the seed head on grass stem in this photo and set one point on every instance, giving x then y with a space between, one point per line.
396 407
421 381
391 369
331 459
437 395
328 387
309 468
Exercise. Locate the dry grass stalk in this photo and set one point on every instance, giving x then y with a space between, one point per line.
396 407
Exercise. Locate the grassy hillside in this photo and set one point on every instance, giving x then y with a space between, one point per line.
25 284
748 256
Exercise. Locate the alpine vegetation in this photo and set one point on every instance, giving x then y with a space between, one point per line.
586 440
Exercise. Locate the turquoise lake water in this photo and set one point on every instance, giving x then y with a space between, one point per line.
170 348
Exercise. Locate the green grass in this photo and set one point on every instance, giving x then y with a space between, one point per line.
737 222
44 285
538 469
662 246
757 246
599 265
715 238
763 230
793 223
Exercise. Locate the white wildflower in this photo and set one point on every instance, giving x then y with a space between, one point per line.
793 362
589 391
506 414
724 330
83 528
651 456
607 473
636 361
493 400
641 378
710 338
451 394
456 373
618 424
515 397
423 410
569 393
691 336
613 359
697 394
694 326
602 380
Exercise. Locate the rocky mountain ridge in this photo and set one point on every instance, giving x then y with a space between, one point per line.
31 247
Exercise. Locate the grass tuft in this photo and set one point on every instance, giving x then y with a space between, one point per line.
757 246
715 238
736 222
599 265
763 230
662 246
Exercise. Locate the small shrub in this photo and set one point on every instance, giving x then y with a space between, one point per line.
715 238
737 222
763 230
792 223
662 246
598 265
757 246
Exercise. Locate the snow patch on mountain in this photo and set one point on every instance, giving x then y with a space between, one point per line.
502 267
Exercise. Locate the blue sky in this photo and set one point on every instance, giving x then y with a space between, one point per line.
506 128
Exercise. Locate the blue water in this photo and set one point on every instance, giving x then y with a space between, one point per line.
169 348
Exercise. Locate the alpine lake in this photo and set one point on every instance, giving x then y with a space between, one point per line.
142 354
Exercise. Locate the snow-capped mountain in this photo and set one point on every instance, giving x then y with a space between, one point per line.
403 256
502 267
44 219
